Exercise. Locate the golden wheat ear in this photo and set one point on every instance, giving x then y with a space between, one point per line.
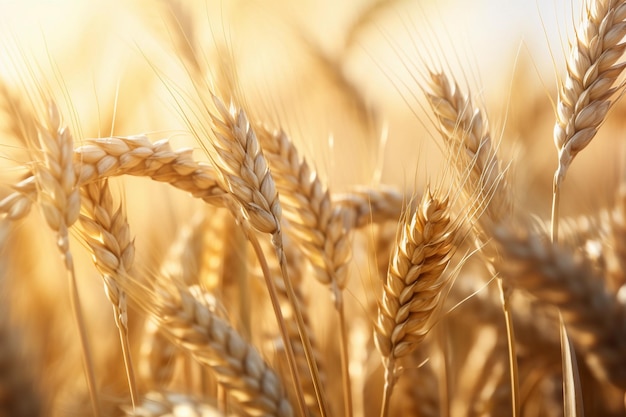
592 84
106 233
193 326
413 288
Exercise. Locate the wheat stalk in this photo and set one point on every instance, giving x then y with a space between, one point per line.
414 284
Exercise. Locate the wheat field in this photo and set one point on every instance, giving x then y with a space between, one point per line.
361 208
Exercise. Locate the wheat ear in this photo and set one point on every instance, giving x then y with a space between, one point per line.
466 134
245 173
590 86
414 285
100 158
105 157
318 226
595 321
59 199
106 232
186 319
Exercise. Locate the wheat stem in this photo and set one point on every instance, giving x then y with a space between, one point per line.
344 357
88 363
306 341
390 383
271 287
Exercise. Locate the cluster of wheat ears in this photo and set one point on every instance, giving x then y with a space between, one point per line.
474 306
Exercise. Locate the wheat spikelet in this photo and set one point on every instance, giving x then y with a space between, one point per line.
414 284
594 318
590 85
59 195
214 343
